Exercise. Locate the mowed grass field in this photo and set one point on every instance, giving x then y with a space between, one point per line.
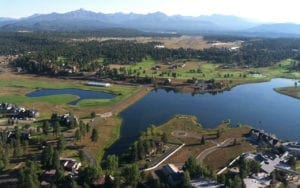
14 88
205 71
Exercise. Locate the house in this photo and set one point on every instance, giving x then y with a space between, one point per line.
203 182
23 136
17 112
167 81
252 182
104 181
100 84
157 67
70 164
261 136
292 147
68 119
47 178
268 161
173 174
159 46
234 170
234 48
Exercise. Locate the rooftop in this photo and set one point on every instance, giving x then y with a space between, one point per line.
201 182
171 169
254 183
102 84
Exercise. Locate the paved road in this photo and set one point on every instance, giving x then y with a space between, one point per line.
208 151
165 157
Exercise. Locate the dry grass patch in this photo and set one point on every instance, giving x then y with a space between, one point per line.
220 158
185 124
191 150
189 131
194 42
117 66
13 90
108 131
237 132
290 91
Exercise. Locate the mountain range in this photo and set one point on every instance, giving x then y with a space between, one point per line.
81 20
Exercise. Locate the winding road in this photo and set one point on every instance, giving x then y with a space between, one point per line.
208 151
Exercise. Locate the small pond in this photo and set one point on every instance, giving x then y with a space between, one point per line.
82 94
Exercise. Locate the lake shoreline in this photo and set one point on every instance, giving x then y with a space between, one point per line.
289 91
159 105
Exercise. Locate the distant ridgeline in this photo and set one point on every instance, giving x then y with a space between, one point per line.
51 53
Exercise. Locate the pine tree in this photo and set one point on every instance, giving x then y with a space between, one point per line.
77 135
164 138
93 115
61 143
81 155
55 160
186 180
45 127
56 128
131 173
202 140
112 163
27 176
94 136
47 157
218 134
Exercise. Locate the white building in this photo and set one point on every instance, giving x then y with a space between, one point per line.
100 84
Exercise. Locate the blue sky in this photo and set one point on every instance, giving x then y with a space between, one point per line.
259 10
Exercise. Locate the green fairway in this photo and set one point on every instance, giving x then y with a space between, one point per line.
204 70
24 87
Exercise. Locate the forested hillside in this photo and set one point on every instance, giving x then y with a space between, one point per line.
51 53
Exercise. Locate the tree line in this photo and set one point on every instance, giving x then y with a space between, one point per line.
51 53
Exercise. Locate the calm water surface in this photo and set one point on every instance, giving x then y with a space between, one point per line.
82 94
253 104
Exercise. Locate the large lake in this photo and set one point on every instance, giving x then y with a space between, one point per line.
256 104
82 94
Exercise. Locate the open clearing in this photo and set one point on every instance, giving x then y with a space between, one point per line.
186 129
193 42
220 158
108 130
